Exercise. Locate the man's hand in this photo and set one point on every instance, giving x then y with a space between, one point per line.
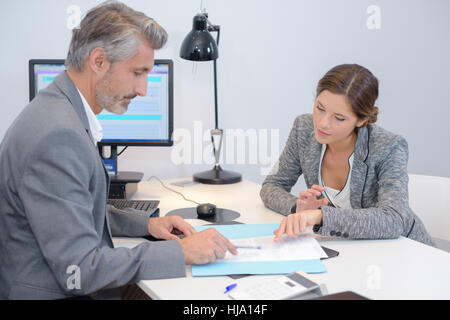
167 228
308 199
205 247
295 223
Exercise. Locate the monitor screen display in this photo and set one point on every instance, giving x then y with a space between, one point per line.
149 119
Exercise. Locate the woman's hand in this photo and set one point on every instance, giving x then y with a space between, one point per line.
308 199
295 223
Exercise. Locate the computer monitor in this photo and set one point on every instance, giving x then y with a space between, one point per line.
148 121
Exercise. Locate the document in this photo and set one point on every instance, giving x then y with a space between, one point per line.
304 247
269 259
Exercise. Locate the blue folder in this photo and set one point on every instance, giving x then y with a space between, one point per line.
242 231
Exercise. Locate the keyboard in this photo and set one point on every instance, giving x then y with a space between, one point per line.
145 205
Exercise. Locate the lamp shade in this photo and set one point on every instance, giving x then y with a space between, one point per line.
199 45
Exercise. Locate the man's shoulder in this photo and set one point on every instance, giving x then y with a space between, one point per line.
51 109
47 114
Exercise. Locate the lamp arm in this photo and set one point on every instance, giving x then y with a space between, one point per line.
217 131
216 107
214 28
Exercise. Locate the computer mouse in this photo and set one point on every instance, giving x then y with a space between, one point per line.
206 210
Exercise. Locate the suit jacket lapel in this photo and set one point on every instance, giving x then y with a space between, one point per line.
67 87
359 171
65 84
108 227
312 161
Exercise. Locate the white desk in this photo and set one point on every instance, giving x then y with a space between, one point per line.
377 269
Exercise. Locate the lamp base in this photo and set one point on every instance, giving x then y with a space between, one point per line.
218 176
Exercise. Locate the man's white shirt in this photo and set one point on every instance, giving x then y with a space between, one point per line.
94 125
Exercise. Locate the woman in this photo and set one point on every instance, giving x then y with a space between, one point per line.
356 171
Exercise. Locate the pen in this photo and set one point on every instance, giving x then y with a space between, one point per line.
230 287
248 247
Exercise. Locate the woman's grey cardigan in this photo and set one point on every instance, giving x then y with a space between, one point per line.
378 185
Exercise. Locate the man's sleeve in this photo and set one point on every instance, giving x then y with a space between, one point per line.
59 208
128 222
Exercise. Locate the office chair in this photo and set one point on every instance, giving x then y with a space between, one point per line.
429 198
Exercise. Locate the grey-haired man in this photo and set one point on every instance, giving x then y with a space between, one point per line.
55 233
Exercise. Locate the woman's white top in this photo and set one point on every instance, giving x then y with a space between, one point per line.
340 199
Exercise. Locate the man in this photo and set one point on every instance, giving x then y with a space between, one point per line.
55 226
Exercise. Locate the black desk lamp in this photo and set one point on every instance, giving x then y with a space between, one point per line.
199 45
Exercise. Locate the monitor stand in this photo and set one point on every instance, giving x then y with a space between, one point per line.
123 184
126 177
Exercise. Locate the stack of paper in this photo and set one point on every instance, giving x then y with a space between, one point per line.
305 247
286 256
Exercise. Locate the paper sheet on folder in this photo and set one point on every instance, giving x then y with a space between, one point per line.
288 255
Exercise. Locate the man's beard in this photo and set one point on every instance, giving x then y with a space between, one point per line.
107 99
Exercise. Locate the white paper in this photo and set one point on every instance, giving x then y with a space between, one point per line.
304 247
197 222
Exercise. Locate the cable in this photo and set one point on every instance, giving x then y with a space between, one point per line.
162 183
122 151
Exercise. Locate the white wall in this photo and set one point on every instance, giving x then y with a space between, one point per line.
272 53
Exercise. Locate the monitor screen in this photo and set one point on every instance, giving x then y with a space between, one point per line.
149 119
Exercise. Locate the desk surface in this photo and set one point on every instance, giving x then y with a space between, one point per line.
378 269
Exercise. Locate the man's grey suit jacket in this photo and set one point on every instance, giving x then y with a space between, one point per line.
55 235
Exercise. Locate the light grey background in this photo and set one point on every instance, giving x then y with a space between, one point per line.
272 54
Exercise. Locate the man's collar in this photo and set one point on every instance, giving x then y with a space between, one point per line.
67 87
95 127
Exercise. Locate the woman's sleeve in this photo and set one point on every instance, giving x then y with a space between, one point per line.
391 217
277 185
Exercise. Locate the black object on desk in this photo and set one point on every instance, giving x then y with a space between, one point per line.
330 253
222 216
124 184
206 210
345 295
